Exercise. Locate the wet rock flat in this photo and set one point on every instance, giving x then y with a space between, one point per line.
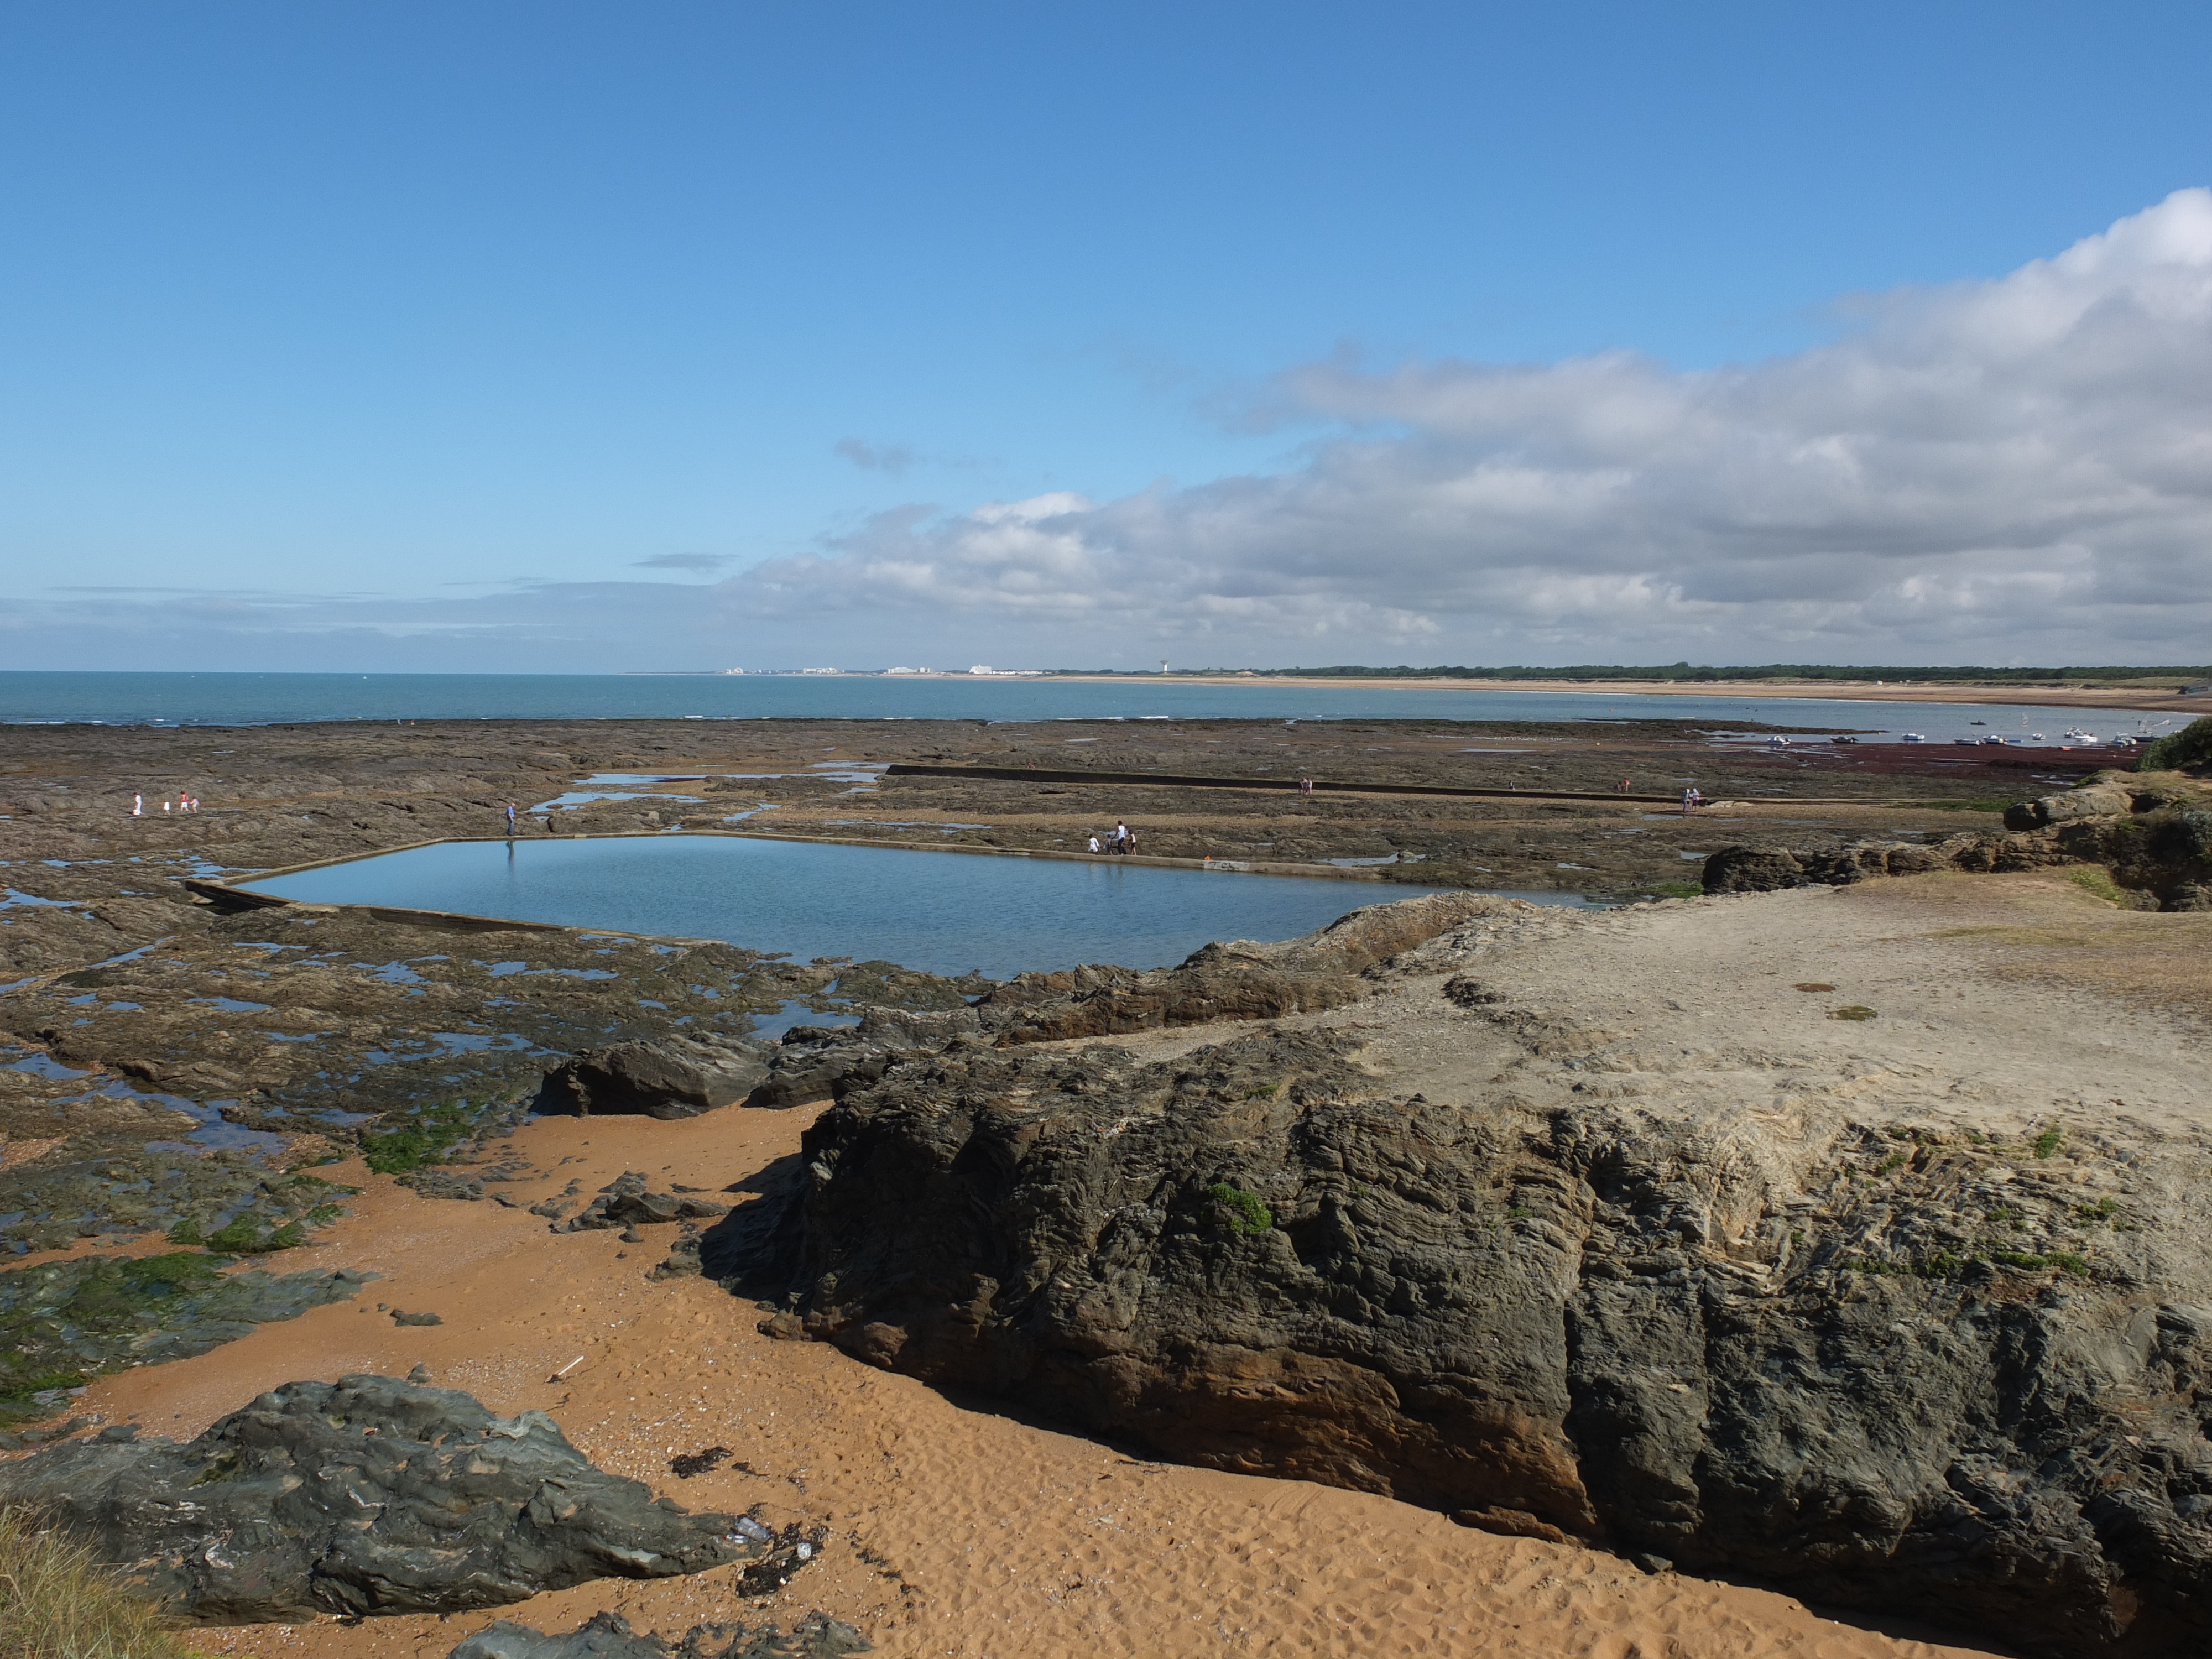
142 1015
168 1070
370 1495
68 1320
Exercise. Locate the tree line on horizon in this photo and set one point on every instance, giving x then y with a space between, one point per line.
1687 672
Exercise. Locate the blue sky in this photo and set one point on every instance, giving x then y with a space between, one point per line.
401 336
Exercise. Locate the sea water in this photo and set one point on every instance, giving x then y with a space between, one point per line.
125 698
943 912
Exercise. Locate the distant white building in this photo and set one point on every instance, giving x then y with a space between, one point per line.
821 670
909 670
733 670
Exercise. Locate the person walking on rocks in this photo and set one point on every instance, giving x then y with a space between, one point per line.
1094 846
137 806
1129 840
510 817
1689 801
1120 836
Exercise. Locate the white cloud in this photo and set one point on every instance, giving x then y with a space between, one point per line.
699 563
2018 470
1992 470
893 459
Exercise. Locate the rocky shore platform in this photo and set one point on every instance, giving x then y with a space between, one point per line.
1464 1277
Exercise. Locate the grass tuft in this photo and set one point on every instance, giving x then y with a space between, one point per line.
1248 1211
57 1602
1857 1011
2095 878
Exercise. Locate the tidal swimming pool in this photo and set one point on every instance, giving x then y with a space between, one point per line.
944 912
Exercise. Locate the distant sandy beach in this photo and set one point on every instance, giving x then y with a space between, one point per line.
2165 702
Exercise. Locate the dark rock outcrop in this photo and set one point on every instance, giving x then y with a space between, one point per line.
367 1496
625 1202
2094 799
2154 839
607 1636
2164 855
814 1062
1240 980
1593 1324
1766 869
669 1077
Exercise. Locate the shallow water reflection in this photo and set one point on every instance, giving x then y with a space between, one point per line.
946 912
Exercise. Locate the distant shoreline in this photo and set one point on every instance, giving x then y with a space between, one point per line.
2136 698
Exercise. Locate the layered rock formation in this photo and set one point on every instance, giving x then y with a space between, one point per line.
370 1495
1880 1363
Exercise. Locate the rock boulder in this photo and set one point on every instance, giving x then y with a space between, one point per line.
1786 1358
2096 799
669 1077
609 1636
626 1202
366 1495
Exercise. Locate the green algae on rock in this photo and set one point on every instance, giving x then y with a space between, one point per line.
65 1322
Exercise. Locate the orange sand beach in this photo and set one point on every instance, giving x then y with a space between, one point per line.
956 1528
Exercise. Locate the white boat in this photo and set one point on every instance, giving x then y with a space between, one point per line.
1915 737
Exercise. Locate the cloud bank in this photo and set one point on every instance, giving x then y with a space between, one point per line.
1990 471
2015 470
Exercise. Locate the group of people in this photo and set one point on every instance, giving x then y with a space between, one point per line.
183 803
1123 840
1693 798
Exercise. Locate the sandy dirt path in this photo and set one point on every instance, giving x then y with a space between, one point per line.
955 1529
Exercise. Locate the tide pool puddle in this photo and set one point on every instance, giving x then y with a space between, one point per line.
946 914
